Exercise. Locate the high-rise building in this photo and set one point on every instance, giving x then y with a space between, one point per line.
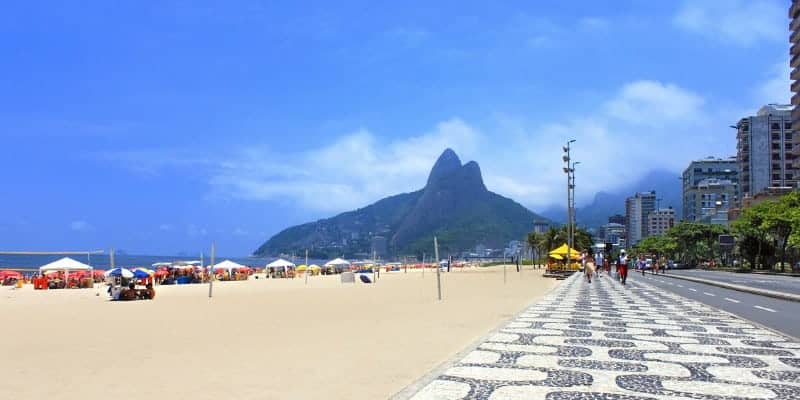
723 169
614 233
712 200
616 219
794 76
660 221
637 208
764 150
540 226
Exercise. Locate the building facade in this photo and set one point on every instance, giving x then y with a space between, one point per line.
713 199
723 169
614 233
637 208
616 219
660 221
764 150
540 226
794 76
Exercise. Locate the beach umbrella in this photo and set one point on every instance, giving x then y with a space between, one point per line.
9 274
302 268
119 272
141 273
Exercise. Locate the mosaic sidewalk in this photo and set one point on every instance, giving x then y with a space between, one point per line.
607 341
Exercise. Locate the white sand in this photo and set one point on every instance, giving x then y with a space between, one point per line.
257 339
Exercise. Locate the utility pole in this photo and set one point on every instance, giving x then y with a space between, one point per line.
211 276
438 272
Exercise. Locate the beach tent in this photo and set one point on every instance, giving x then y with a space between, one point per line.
227 265
65 264
281 263
338 262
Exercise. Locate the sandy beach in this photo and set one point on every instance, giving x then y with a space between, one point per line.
255 339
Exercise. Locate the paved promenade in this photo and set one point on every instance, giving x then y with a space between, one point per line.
607 341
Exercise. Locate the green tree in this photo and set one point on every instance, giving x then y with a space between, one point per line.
694 241
780 221
583 239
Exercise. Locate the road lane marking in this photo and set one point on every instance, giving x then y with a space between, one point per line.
694 290
679 285
765 308
732 300
709 294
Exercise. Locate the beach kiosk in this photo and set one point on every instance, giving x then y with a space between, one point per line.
560 254
66 265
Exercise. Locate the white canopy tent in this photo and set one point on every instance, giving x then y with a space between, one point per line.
281 263
227 265
65 264
338 262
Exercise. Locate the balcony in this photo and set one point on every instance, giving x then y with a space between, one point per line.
794 10
795 86
795 102
795 62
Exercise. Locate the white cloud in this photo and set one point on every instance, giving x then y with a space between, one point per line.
776 88
742 22
651 102
80 226
631 133
350 172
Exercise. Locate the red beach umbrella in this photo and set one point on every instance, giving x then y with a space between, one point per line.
10 274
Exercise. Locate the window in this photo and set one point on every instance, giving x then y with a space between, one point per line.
776 146
787 125
776 177
776 167
788 135
788 177
787 146
776 156
776 126
776 136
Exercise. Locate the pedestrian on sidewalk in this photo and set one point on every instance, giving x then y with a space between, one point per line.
589 266
641 264
622 266
656 266
598 263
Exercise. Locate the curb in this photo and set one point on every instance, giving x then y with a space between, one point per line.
416 386
746 289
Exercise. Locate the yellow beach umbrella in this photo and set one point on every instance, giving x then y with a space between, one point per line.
302 268
314 267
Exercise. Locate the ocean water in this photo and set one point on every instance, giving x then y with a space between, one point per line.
101 261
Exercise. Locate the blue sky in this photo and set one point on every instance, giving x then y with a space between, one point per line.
158 127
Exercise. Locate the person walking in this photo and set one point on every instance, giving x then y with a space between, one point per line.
588 266
598 263
642 264
622 266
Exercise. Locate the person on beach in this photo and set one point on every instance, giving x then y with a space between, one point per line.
150 293
622 267
656 266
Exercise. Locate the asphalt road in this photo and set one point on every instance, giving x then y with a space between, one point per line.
785 284
780 315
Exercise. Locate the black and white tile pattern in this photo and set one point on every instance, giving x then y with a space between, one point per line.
605 341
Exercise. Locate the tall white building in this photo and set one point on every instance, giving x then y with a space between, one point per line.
637 208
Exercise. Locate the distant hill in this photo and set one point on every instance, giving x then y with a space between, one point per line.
454 205
596 213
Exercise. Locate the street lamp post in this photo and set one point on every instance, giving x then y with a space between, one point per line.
569 169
